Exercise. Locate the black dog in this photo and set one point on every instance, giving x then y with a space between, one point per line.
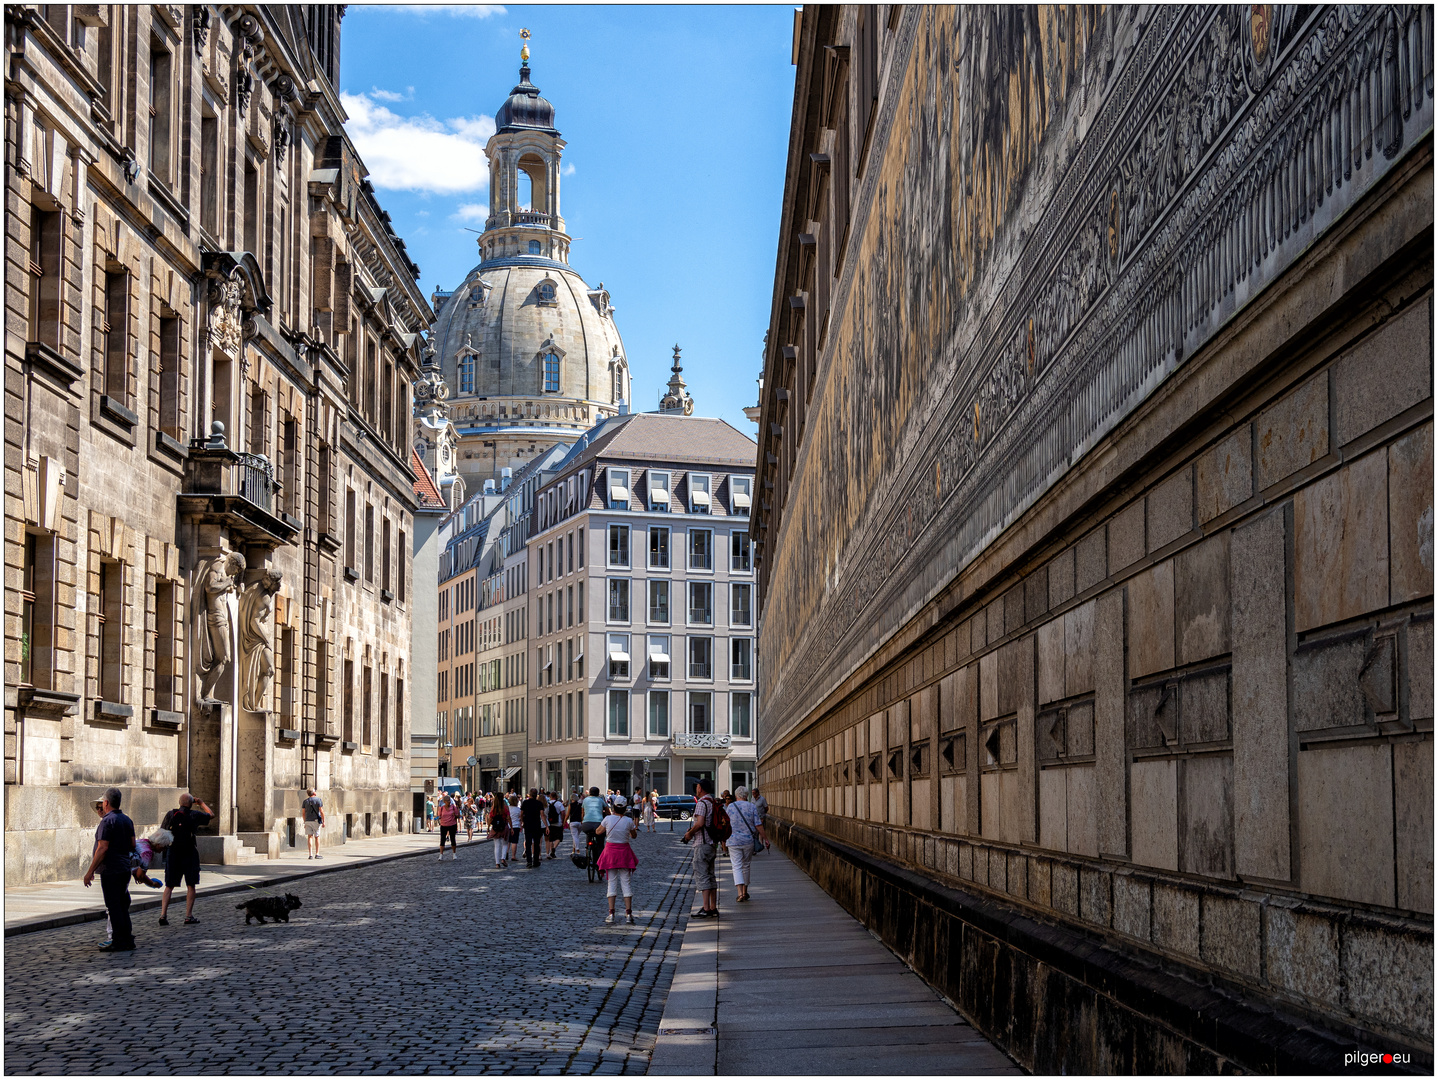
277 908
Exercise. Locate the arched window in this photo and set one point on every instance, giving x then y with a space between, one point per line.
617 394
534 248
551 373
466 373
546 292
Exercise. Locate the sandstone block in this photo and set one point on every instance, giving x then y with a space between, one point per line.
1345 823
1175 918
1200 600
1223 477
1053 809
1170 510
1110 753
1015 669
1041 882
1410 515
1340 544
1387 372
1206 816
990 813
1078 649
1091 560
1420 669
1078 729
1302 954
1294 432
1388 977
1231 937
1051 661
1061 578
1131 906
1082 811
1017 883
1150 621
1143 731
1260 698
1095 896
1036 594
1011 809
1065 888
1413 811
1154 824
1014 608
1126 538
1204 713
998 870
989 686
1326 691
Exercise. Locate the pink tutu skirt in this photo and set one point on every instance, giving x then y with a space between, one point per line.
617 857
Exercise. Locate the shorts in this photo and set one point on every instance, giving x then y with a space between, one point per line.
312 828
452 831
182 869
704 878
555 832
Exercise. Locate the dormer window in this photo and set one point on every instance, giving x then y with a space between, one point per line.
546 292
466 373
698 493
739 490
551 373
659 491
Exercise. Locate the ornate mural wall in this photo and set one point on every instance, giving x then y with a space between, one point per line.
1069 203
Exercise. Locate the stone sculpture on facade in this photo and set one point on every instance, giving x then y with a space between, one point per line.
257 642
217 580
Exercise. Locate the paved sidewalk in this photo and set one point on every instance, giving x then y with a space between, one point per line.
59 903
790 983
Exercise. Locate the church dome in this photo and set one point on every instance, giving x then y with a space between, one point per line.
525 110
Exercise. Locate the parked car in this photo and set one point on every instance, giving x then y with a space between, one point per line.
675 806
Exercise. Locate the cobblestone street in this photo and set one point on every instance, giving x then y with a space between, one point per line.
411 966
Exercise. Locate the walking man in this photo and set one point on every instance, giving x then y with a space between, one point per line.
314 821
705 815
114 840
183 861
761 804
531 817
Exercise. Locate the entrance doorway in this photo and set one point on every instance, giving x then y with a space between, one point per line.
696 769
742 773
620 776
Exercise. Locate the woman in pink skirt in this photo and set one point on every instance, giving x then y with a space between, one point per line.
618 861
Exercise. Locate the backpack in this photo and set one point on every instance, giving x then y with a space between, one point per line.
717 826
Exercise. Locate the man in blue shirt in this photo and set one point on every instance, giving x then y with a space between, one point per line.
114 841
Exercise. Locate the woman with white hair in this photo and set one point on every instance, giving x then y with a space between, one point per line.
748 832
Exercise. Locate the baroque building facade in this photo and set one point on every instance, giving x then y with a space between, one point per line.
531 353
211 335
1094 532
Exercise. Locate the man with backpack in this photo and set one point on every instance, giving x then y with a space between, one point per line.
711 827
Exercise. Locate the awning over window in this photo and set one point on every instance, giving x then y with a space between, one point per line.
617 657
699 498
741 500
659 657
619 494
510 772
658 494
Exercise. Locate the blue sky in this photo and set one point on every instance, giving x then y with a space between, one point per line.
677 125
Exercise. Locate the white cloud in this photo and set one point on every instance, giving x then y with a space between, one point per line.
418 153
568 169
472 212
463 11
391 95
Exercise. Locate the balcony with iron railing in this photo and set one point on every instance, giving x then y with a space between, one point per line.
237 490
690 740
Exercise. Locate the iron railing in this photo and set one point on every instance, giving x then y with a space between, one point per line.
691 741
255 480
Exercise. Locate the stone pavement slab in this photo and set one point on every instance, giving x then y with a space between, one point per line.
60 903
790 984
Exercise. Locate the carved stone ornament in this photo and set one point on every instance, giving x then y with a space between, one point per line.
217 580
251 34
202 27
244 87
225 324
257 642
282 140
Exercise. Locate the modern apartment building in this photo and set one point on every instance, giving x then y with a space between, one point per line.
641 610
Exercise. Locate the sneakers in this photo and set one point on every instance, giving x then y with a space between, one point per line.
629 918
441 857
164 921
704 913
609 918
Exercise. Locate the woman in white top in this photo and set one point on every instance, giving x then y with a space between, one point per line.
618 861
649 809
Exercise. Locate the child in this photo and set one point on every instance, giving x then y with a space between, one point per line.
144 854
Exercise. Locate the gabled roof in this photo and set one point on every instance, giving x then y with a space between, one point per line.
425 493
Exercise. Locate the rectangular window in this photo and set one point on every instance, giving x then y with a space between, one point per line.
550 606
322 686
115 327
399 574
569 715
165 697
384 708
385 556
111 619
583 589
701 603
701 714
366 705
45 307
618 656
351 529
659 602
286 675
619 545
569 605
698 493
741 659
581 549
210 173
161 98
258 411
659 657
741 721
740 552
399 712
701 657
659 547
290 466
618 600
618 489
740 488
28 610
619 714
659 491
740 612
659 714
369 543
347 692
701 549
252 210
170 422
